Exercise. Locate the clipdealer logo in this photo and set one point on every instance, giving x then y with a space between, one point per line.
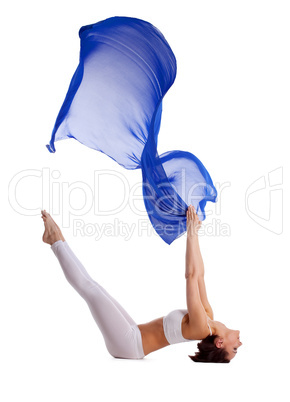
264 201
31 190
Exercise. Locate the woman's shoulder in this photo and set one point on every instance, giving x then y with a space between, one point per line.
194 332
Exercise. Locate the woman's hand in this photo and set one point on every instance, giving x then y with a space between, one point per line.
193 223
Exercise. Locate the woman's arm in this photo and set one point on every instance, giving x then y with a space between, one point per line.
196 312
193 260
203 297
197 301
201 283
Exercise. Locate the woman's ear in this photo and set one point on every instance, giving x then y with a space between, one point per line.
219 342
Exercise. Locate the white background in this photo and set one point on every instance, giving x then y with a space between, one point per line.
229 106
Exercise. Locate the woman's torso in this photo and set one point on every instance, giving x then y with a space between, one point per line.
153 336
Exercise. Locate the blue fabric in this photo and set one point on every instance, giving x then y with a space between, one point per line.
114 105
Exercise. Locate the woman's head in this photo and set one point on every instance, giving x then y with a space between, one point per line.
229 341
209 353
217 349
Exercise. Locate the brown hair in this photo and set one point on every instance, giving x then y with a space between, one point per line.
209 353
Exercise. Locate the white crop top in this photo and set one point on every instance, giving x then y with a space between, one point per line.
172 326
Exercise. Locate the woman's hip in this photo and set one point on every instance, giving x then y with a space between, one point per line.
127 345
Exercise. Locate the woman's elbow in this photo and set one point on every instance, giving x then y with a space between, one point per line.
191 275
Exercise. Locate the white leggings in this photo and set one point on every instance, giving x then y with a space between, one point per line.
121 334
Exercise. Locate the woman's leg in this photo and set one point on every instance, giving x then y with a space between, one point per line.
121 309
122 337
117 304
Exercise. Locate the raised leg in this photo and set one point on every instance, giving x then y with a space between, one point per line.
119 330
117 304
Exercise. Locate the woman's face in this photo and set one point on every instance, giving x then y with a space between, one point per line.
231 342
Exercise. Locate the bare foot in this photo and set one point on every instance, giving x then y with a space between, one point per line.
52 233
59 231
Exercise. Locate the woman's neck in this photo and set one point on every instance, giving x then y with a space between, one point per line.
217 327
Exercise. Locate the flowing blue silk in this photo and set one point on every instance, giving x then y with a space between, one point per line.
114 105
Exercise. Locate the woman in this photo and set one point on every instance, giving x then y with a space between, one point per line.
123 337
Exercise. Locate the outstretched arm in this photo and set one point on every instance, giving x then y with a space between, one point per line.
194 261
